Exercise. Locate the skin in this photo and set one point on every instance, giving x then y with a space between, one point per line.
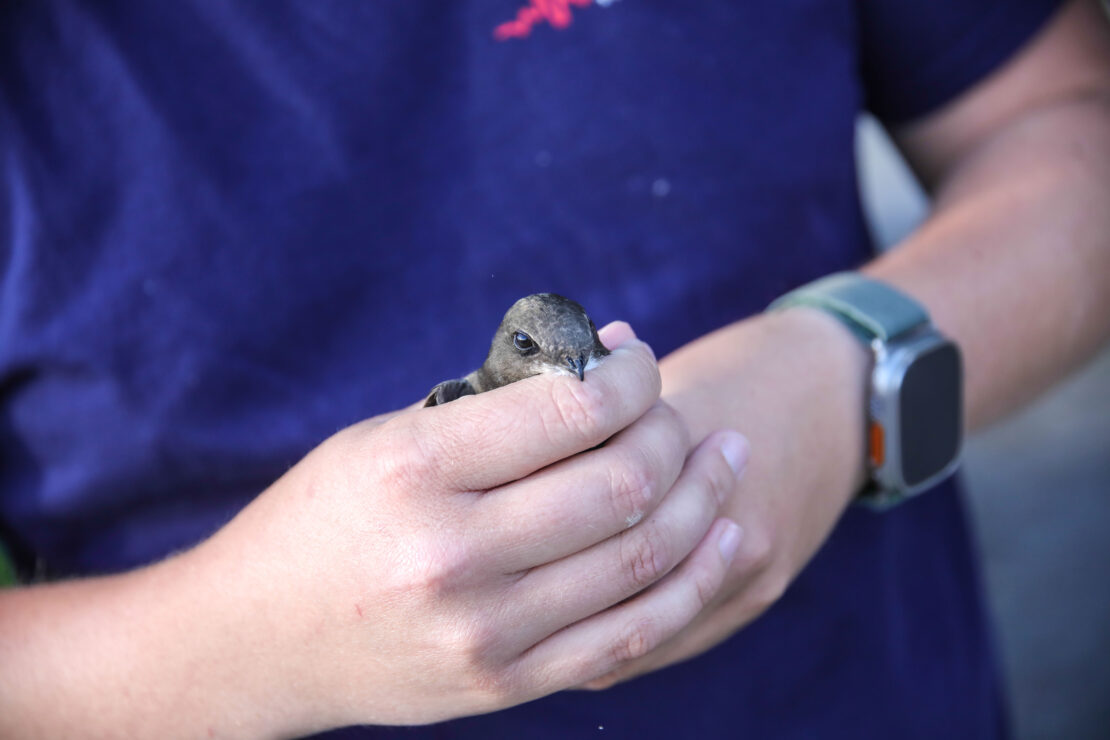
373 584
1013 263
412 568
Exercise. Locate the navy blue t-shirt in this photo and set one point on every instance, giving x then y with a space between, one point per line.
228 229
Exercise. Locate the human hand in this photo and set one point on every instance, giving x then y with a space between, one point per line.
472 556
794 383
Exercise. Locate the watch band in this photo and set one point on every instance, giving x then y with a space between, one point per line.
895 327
870 308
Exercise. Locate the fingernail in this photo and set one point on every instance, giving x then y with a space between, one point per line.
615 333
729 541
735 448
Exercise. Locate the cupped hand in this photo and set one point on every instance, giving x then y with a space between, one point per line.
794 383
467 557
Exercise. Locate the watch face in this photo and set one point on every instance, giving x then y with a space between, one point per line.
930 412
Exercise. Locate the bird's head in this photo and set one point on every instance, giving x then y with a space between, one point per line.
544 333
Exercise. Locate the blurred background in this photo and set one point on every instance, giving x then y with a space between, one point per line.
1039 487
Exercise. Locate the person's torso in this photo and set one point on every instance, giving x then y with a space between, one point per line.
229 229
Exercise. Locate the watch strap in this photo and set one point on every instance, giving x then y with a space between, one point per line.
870 308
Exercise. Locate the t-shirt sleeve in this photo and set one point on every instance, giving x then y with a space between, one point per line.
916 56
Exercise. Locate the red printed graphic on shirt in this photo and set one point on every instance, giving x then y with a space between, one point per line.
555 12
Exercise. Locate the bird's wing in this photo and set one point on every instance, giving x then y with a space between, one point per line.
449 390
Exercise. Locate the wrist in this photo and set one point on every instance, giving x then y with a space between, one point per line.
125 655
794 382
828 370
263 624
198 650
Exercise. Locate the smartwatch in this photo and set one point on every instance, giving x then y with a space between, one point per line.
914 428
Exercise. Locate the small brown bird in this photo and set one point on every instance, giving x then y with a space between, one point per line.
541 333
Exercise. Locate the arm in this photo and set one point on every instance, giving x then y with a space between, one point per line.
359 587
1014 263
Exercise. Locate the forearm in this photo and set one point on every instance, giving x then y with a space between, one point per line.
152 653
1014 263
204 643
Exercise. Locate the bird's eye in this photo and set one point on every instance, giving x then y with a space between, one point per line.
523 342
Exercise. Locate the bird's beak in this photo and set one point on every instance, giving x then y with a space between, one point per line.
578 365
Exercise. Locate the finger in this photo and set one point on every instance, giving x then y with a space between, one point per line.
585 499
603 643
478 442
707 629
615 333
591 581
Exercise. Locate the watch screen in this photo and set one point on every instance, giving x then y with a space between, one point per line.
931 423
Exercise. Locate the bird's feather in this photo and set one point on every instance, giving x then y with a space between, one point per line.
541 333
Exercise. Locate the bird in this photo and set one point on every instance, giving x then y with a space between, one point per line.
540 333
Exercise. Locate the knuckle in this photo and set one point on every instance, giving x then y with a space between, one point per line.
719 478
488 657
479 645
475 648
637 639
645 556
498 684
441 570
397 470
632 486
577 408
706 583
402 459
